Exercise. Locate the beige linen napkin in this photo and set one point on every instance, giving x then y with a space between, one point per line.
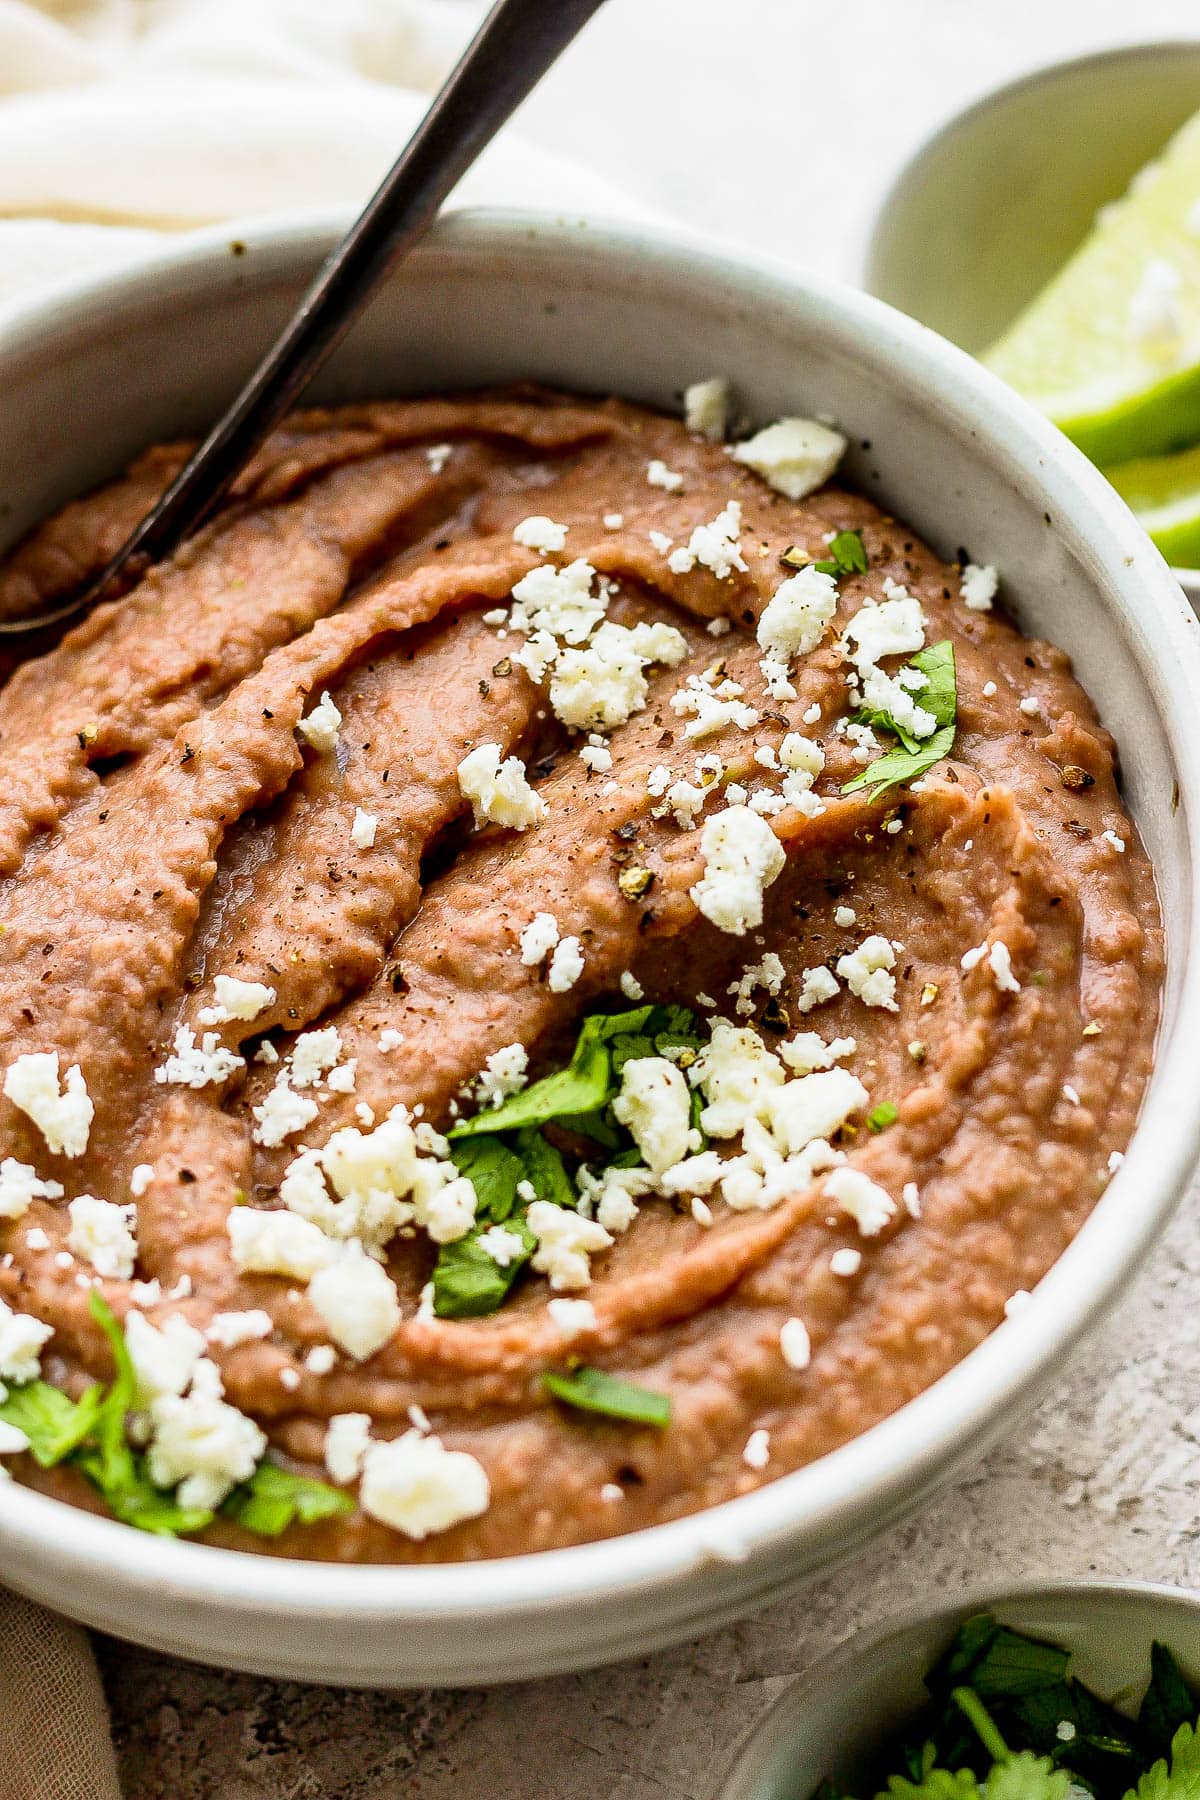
54 1736
121 120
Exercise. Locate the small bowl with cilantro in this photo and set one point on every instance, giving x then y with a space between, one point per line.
1059 1693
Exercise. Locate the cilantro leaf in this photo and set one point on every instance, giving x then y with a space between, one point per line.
54 1424
1024 1776
470 1284
937 1784
593 1390
1178 1780
913 756
901 766
847 555
1013 1664
493 1171
1168 1702
132 1497
584 1086
274 1498
545 1168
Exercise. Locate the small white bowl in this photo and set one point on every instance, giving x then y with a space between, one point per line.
838 1715
103 366
993 204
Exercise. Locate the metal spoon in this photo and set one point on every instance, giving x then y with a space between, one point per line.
515 45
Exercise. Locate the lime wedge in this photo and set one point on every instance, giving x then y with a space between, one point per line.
1164 492
1110 348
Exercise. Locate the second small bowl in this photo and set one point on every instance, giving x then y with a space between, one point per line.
991 206
838 1715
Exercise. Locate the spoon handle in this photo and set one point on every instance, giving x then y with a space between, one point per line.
515 45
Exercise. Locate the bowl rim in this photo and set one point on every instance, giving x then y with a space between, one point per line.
822 1675
896 1459
858 258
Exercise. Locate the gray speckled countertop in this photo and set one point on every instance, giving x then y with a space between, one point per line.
1105 1477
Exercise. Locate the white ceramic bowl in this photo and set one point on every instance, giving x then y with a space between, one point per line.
92 373
832 1721
990 206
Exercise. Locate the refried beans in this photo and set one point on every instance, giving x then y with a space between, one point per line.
552 971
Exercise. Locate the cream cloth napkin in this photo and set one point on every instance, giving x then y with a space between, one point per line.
54 1736
121 120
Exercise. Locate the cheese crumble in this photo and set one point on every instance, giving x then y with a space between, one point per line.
417 1486
102 1235
498 789
741 857
794 456
320 729
541 534
63 1114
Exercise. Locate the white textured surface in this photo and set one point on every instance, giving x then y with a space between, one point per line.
768 120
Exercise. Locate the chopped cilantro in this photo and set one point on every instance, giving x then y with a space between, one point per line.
1008 1721
912 757
592 1390
468 1283
1168 1703
545 1168
847 555
1178 1778
274 1498
89 1435
493 1171
589 1081
883 1115
54 1424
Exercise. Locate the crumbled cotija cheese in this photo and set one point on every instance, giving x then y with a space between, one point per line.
999 961
201 1446
659 476
869 1205
236 999
565 1242
346 1438
540 533
229 1329
742 857
566 965
979 586
417 1486
798 614
867 972
538 939
195 1065
794 456
277 1242
706 408
795 1344
313 1054
601 685
281 1114
20 1187
63 1116
363 829
499 790
21 1340
102 1234
572 1316
357 1299
655 1105
505 1073
320 729
714 546
816 986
